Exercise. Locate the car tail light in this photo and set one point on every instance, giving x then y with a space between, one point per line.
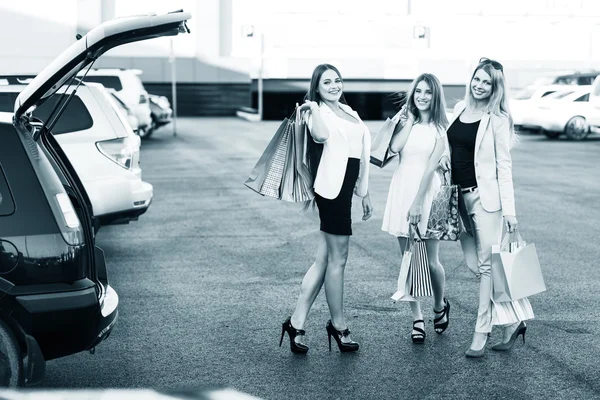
121 151
71 231
68 212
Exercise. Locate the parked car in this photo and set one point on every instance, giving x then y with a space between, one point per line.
524 101
129 87
102 147
582 78
55 297
570 113
161 111
124 110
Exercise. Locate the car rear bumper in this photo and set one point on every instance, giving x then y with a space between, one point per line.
122 217
68 321
119 196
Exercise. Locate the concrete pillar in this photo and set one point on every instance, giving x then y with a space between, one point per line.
225 33
107 10
88 15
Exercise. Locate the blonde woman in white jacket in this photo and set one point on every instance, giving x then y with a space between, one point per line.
480 137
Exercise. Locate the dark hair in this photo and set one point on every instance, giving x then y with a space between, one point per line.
315 150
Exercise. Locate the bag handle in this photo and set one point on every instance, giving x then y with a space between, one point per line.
506 240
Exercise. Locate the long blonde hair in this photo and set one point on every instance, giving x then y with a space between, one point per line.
498 101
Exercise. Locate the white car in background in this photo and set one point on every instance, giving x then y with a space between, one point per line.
124 109
130 89
524 101
570 113
100 145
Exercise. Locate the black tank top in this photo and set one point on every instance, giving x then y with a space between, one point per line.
461 137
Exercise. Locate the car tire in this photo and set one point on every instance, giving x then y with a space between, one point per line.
552 134
11 359
577 128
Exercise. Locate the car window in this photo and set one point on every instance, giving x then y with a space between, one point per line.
112 82
558 95
75 117
585 80
7 101
7 205
585 97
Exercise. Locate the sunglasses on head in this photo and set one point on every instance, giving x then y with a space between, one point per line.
493 63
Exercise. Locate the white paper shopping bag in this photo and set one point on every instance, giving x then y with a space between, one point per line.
404 279
516 270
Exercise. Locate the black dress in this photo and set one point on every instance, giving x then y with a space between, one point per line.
335 214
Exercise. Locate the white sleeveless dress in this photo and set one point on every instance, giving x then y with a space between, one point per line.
407 179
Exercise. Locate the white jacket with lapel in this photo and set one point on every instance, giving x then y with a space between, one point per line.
493 164
332 167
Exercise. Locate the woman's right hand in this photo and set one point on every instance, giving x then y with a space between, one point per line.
308 105
405 115
445 163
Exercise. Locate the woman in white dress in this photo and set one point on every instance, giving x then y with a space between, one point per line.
420 142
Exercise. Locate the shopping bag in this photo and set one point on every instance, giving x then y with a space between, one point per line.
381 154
414 279
404 277
443 223
516 270
511 312
281 171
297 182
421 277
265 163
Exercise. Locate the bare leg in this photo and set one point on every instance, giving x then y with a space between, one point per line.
337 252
438 275
311 284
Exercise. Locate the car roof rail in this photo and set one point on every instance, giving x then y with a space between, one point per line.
16 79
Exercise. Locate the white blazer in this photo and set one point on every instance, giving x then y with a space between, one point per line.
493 163
332 167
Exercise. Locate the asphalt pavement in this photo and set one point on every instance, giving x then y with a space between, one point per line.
209 273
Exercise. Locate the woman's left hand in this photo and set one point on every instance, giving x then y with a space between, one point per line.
414 214
511 223
367 208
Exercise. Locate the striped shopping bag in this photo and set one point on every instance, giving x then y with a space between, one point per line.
421 276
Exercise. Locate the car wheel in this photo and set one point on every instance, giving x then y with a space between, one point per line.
552 134
11 359
577 128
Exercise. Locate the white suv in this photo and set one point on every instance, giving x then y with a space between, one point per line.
129 88
102 147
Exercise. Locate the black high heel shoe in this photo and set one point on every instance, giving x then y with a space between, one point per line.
297 348
521 329
338 335
441 327
419 337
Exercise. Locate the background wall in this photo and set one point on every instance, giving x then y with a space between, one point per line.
375 40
